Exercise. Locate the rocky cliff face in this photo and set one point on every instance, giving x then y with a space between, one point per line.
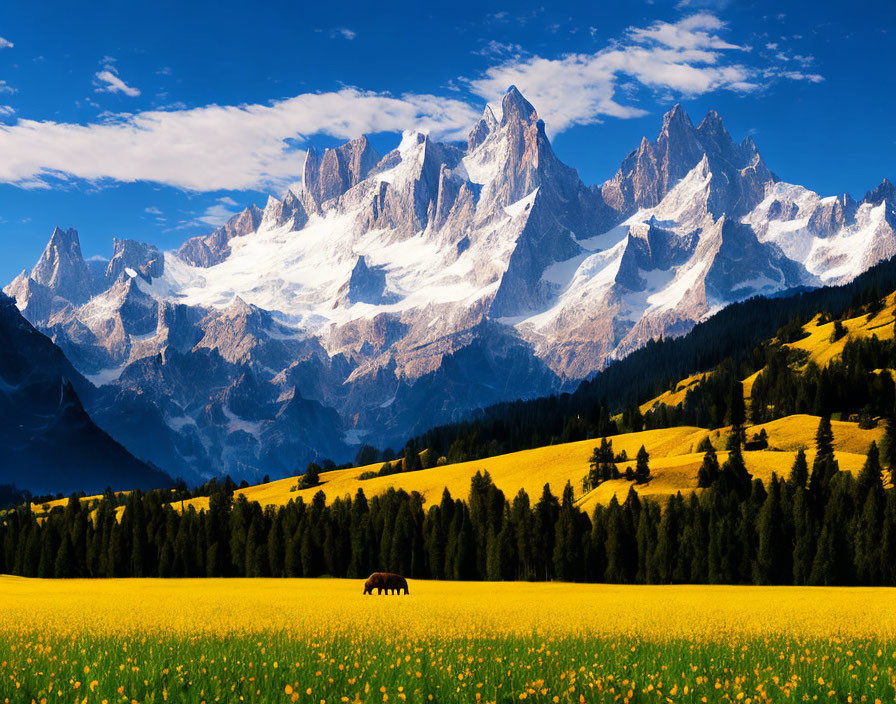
50 443
383 295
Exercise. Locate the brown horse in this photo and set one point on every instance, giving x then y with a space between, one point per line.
386 580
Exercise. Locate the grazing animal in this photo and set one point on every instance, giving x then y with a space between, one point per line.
386 580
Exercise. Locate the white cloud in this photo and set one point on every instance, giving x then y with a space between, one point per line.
217 214
687 58
6 88
496 48
216 147
7 110
238 147
6 44
794 75
108 81
693 32
344 32
152 210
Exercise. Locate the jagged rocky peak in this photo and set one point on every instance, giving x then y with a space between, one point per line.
650 172
678 148
208 250
712 134
244 222
886 191
514 107
329 175
832 215
482 129
62 269
131 258
286 211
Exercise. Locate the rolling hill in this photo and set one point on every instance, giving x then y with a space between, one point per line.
673 462
674 459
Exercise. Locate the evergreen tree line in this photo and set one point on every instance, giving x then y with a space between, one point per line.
855 383
734 334
821 526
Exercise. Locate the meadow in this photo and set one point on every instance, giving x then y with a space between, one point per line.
674 462
320 640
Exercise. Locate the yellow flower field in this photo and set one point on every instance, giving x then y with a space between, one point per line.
323 641
318 607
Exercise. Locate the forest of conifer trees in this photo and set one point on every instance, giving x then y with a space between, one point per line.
822 526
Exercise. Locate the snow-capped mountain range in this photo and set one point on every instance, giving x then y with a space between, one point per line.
382 295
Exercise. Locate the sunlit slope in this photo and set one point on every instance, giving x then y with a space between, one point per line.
674 462
671 475
673 398
50 505
822 349
529 470
817 343
798 431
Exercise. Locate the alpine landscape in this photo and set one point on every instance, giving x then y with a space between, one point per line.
521 330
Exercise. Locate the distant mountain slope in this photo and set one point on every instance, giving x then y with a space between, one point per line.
733 333
386 294
49 442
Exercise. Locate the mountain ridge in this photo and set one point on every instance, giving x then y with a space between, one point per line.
407 290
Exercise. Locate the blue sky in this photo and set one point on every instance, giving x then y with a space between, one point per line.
155 120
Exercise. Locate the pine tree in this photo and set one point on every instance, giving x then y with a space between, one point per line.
311 477
825 466
646 541
773 556
868 539
709 469
522 521
642 467
734 477
567 542
63 566
665 556
276 546
622 555
870 476
547 510
799 473
603 464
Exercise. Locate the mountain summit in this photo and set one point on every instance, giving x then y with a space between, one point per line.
382 295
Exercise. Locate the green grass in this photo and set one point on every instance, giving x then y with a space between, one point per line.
499 669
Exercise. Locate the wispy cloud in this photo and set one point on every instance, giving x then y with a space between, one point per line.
216 147
343 32
218 213
6 88
6 44
494 48
689 57
107 80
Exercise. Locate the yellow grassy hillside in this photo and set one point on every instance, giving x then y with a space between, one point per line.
529 470
818 343
673 398
673 461
679 474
